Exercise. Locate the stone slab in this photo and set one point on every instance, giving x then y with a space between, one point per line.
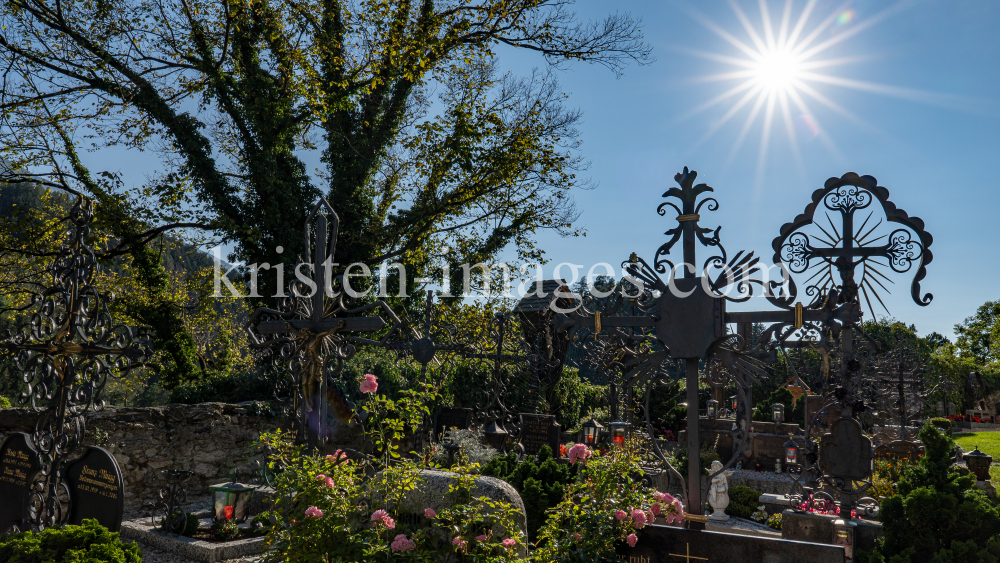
141 530
743 527
667 544
818 528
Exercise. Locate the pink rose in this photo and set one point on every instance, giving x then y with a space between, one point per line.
459 542
321 477
389 522
620 515
378 515
313 512
402 543
481 538
369 384
579 452
632 539
336 456
655 509
577 537
429 513
509 542
665 498
638 518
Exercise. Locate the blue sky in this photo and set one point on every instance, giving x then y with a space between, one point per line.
925 121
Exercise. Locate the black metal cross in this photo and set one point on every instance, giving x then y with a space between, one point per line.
311 327
66 355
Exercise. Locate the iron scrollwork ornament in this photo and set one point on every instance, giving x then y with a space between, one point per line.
65 355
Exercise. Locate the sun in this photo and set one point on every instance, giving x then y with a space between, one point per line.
781 67
777 71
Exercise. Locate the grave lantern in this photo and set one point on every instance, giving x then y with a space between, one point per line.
618 432
590 432
712 409
496 436
778 413
735 403
791 451
979 464
230 501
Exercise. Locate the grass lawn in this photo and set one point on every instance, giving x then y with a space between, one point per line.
987 442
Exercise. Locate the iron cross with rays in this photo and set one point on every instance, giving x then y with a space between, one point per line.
309 335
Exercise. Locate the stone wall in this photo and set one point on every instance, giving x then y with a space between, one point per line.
210 439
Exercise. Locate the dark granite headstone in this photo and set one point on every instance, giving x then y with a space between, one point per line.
96 489
452 417
846 452
18 466
665 544
539 430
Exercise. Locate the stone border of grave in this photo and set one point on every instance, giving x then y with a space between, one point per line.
142 531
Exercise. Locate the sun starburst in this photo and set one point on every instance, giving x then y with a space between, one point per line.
782 67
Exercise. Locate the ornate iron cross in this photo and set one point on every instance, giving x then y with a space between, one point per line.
308 335
65 356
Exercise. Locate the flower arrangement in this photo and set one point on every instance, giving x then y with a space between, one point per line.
775 521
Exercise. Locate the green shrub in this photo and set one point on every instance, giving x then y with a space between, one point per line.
88 543
743 501
942 422
4 403
936 515
539 480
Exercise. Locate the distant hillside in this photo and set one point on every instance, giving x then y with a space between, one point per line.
15 199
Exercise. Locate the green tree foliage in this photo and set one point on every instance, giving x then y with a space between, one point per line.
979 335
424 141
936 515
539 480
87 543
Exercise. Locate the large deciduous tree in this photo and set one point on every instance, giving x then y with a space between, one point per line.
421 141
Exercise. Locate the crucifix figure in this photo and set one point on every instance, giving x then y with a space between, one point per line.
65 356
308 335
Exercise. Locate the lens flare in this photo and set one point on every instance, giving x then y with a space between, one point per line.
846 17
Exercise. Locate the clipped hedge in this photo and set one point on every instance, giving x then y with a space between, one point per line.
88 543
743 501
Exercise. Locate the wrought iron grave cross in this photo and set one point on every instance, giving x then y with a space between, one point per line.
308 334
65 356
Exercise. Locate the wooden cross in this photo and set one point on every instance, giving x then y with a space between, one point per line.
311 328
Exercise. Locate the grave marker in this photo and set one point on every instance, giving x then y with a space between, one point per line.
846 452
452 417
539 430
18 466
96 489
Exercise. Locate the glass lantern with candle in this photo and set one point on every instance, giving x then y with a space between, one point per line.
590 432
712 409
778 413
